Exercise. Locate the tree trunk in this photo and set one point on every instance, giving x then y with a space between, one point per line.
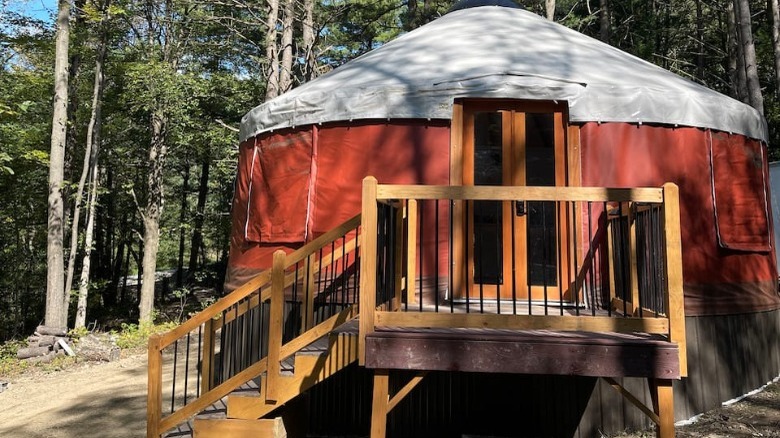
742 12
93 145
736 59
55 290
604 21
549 6
285 72
775 9
152 214
272 51
200 215
699 42
309 37
182 218
81 308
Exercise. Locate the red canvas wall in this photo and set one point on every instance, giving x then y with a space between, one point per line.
718 280
305 182
727 263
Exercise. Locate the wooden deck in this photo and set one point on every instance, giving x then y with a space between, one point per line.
359 294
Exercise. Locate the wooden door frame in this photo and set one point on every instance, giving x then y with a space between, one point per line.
567 156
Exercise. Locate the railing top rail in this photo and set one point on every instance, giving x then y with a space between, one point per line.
502 193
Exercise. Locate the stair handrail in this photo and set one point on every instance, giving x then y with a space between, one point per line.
156 423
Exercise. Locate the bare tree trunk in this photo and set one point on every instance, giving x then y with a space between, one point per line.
742 12
285 72
736 59
93 146
55 290
182 218
775 9
152 213
549 6
699 42
604 21
200 215
81 307
272 51
309 38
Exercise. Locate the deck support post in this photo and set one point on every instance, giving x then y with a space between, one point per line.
380 404
663 405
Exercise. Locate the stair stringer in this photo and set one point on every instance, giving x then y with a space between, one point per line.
310 369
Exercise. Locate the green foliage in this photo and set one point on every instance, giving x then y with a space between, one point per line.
9 364
137 336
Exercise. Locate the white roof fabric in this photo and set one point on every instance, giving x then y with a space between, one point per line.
497 52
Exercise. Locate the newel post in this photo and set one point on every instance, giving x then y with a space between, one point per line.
275 326
154 389
675 305
367 264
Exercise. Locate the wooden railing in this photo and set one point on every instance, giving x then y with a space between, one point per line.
611 260
305 295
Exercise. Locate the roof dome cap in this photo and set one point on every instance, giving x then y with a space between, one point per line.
467 4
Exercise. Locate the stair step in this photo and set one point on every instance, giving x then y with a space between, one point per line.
233 428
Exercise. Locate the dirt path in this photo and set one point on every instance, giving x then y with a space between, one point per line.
104 400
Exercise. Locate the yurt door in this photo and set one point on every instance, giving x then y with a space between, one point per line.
513 246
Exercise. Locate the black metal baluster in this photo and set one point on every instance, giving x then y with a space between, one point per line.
173 386
514 266
499 256
450 260
544 254
187 369
592 255
222 350
436 259
576 264
199 373
559 261
421 236
467 274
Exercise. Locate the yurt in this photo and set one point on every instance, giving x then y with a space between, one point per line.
583 113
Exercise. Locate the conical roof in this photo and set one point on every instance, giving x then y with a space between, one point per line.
497 52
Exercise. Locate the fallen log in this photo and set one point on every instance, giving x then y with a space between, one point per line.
42 359
25 353
46 340
53 331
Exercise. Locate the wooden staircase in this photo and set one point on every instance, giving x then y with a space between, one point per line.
312 365
227 370
308 367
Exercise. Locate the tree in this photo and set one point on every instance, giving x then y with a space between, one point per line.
775 10
55 292
745 33
272 51
92 150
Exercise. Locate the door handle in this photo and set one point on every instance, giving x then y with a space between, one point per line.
520 209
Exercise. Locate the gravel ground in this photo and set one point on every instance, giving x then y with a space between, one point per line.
92 400
755 416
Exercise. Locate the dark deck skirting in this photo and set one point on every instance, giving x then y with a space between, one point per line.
523 352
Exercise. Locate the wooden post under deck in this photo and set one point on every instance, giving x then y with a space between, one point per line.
663 405
380 403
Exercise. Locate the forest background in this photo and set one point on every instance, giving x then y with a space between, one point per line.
111 110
